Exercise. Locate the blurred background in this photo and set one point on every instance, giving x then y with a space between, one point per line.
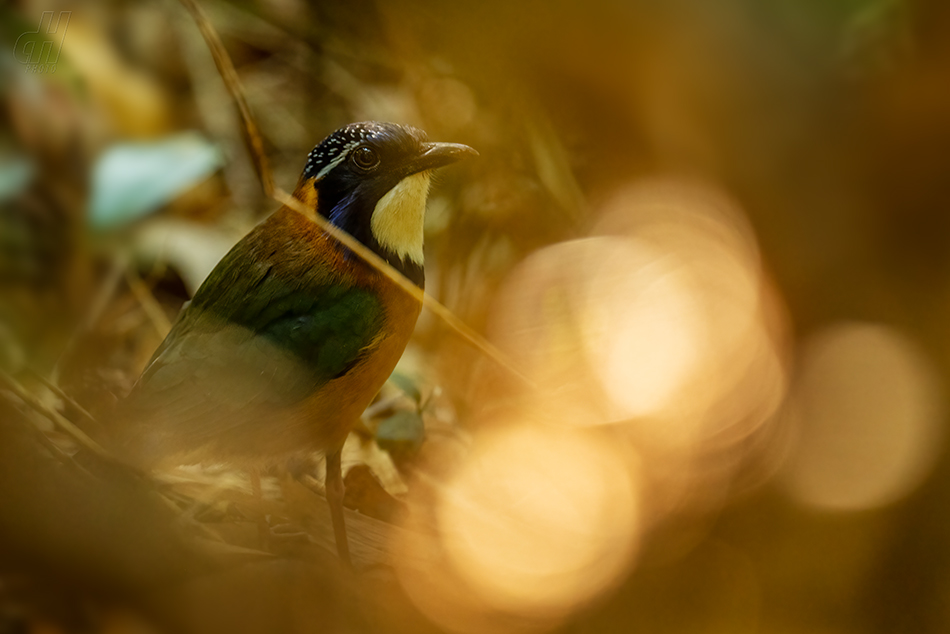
714 236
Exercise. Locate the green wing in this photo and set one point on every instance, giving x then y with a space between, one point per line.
315 334
261 334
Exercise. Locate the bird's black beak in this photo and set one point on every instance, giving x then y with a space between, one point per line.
436 155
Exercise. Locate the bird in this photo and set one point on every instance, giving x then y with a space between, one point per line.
292 334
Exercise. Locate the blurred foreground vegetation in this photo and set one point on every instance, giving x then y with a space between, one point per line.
715 235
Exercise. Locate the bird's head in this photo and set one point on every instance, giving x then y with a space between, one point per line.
371 179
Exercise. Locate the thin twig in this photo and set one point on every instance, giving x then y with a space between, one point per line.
99 303
44 440
223 61
148 302
188 516
55 417
214 106
64 396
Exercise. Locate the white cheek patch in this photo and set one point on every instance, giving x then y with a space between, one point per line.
399 217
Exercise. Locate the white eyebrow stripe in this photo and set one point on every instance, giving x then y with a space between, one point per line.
339 159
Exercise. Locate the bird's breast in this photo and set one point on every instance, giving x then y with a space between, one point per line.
334 409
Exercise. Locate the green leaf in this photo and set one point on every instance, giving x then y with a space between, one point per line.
407 385
15 174
401 434
131 180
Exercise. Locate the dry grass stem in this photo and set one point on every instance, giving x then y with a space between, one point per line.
53 416
148 302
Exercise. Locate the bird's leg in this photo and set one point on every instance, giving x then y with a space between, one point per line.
335 490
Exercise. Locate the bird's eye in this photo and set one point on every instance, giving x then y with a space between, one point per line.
365 158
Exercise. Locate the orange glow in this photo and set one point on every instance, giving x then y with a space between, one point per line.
661 326
539 517
537 521
867 410
705 241
641 325
659 320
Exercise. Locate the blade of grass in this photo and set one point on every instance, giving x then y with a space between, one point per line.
55 389
223 61
55 417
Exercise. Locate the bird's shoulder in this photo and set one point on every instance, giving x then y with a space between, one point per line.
287 246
